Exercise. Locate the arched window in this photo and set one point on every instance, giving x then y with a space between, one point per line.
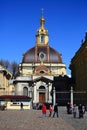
42 72
41 88
42 39
25 91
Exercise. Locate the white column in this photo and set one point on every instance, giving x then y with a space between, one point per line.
54 96
35 94
50 97
31 96
71 96
30 92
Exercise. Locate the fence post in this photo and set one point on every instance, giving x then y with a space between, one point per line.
54 96
71 101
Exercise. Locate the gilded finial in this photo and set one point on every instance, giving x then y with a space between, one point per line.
42 20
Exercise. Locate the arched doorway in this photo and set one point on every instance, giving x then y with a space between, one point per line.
41 94
25 91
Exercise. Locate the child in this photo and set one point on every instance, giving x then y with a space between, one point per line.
50 110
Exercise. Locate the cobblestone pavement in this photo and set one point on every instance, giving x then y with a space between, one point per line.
32 120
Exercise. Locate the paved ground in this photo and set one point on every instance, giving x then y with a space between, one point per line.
77 124
32 120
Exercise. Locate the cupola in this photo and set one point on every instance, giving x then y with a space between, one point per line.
42 34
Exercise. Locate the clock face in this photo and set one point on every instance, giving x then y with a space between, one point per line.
42 56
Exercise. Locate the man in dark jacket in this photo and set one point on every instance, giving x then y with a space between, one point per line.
80 108
55 110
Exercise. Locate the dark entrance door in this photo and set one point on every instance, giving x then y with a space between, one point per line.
41 97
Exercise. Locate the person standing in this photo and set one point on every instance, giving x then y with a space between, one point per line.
44 110
74 110
21 105
50 110
68 108
80 108
55 110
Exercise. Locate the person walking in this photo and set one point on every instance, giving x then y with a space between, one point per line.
50 110
44 110
55 110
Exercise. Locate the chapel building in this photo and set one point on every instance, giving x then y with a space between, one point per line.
38 67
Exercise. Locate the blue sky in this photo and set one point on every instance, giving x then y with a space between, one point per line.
66 22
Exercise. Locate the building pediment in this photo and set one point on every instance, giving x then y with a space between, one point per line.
42 78
42 70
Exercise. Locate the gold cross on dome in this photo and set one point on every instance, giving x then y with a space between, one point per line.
42 12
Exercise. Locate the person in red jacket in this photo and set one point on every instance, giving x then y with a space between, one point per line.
44 110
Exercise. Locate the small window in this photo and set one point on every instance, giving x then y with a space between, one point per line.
42 72
42 38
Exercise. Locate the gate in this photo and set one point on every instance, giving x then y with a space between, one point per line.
62 98
78 97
